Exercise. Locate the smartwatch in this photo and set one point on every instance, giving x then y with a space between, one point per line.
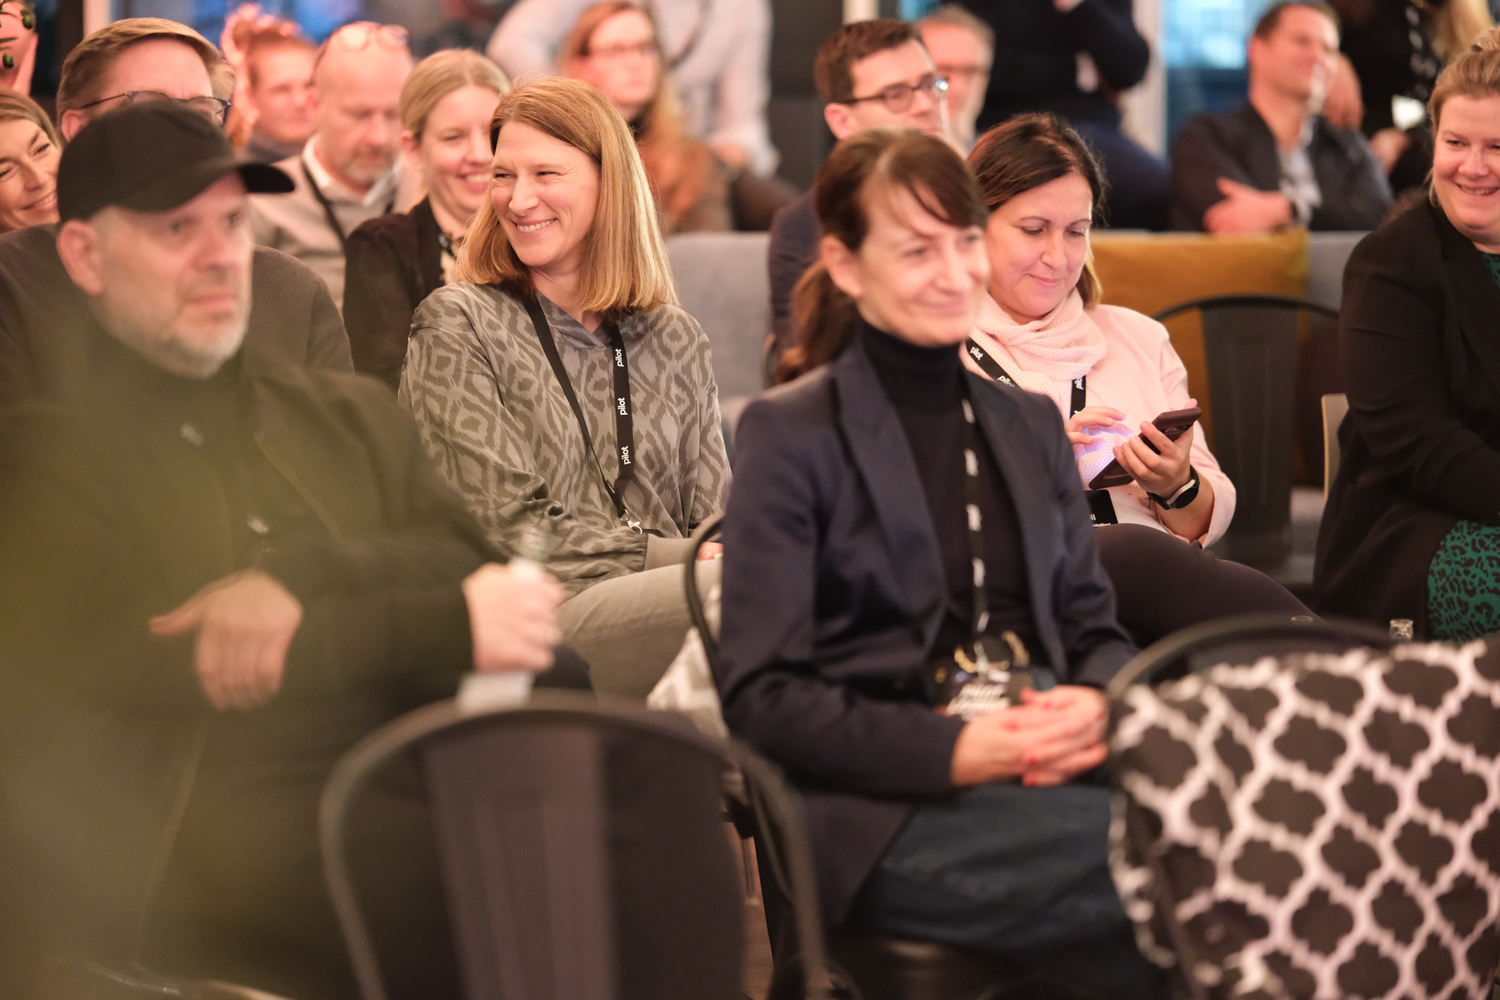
1184 496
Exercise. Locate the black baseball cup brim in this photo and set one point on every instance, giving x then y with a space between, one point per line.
183 185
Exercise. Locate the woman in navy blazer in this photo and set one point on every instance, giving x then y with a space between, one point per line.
849 596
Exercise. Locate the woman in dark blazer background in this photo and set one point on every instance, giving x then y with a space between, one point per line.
1410 529
397 260
852 606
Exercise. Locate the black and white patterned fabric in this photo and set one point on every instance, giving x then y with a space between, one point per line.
1319 825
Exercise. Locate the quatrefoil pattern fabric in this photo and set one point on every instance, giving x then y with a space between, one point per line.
1319 826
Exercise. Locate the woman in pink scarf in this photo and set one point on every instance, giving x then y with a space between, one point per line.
1110 371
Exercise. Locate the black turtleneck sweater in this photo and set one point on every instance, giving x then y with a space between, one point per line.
926 386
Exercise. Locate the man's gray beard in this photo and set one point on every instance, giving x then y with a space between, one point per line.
360 174
177 357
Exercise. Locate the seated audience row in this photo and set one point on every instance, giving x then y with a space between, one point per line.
225 564
1109 371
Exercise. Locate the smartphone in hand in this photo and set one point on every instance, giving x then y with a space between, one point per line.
1172 423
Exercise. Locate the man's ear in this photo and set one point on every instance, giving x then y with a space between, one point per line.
78 246
842 267
1254 53
71 123
840 120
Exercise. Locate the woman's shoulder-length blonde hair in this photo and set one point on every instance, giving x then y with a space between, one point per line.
624 266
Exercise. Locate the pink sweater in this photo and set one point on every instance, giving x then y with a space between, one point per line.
1139 351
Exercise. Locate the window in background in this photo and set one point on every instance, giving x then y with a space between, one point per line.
1204 47
318 18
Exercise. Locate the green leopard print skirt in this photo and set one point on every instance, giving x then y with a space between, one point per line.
1463 584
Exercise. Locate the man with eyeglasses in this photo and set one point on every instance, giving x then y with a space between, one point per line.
293 320
869 74
963 49
348 173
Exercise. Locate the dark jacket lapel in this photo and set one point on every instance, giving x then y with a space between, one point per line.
884 459
1261 161
1011 442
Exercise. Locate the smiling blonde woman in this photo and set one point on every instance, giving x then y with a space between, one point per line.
558 386
1410 529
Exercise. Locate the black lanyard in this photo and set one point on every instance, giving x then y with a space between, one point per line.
980 619
704 13
328 213
624 420
992 368
987 652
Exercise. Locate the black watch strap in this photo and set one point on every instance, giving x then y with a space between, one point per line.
1186 495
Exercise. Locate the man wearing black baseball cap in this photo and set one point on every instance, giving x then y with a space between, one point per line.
186 314
214 581
293 319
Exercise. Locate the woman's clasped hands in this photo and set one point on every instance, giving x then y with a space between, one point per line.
1050 738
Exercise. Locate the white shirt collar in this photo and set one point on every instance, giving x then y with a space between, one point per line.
380 192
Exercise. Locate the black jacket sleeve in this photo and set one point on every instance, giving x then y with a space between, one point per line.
1356 192
1392 340
293 319
378 304
1207 147
774 695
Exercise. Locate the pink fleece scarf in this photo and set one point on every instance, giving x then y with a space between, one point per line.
1047 354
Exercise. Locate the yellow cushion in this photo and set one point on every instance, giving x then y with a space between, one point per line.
1148 272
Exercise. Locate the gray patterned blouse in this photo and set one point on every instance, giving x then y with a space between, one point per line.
496 423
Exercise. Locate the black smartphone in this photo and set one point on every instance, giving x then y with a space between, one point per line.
1172 423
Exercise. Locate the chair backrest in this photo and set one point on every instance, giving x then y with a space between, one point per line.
1335 408
1250 342
582 849
1303 821
1241 639
722 282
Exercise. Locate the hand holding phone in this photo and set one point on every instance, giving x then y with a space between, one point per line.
1172 423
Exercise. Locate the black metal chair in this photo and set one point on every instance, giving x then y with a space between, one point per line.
1241 639
1250 343
866 965
527 806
